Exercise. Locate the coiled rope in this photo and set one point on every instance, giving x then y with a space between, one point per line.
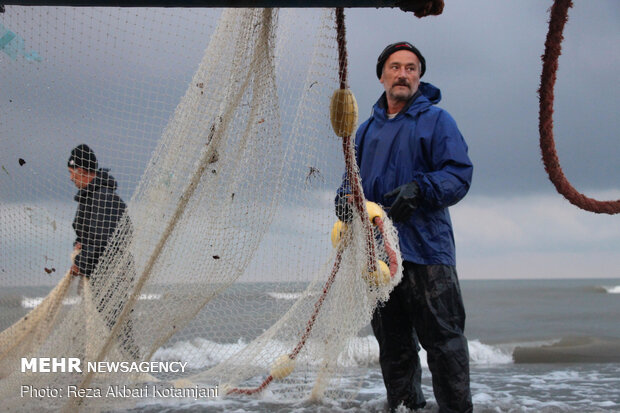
421 8
553 49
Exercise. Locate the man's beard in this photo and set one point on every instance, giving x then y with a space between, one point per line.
401 95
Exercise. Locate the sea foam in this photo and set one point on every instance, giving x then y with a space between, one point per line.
32 302
285 296
357 352
480 353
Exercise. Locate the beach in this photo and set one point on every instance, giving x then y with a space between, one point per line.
535 346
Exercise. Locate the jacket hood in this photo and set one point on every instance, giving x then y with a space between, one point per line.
102 180
428 95
431 92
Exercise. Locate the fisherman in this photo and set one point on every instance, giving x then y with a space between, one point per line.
99 213
413 160
99 209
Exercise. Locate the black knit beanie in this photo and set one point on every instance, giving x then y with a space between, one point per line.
394 47
83 157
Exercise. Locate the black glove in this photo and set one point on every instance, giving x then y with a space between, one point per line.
343 208
407 200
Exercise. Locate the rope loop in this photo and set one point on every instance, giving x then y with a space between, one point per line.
553 49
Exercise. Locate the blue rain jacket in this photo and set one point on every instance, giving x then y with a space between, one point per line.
421 144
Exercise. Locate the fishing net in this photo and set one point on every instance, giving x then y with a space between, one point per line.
216 126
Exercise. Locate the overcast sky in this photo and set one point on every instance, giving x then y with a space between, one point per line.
485 57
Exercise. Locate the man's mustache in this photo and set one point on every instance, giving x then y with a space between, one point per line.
401 83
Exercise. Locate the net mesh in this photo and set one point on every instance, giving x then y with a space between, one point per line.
215 126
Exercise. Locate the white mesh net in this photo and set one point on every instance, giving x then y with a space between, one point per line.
215 125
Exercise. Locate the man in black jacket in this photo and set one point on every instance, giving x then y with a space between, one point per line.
99 209
99 212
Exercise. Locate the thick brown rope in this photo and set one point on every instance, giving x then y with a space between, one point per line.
553 49
348 146
342 48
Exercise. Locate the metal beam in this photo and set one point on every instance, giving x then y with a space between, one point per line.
206 3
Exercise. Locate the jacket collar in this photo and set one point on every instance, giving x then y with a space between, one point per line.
101 180
425 96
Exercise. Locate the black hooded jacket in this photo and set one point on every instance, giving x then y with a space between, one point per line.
98 213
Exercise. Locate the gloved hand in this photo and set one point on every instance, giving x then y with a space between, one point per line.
343 207
407 200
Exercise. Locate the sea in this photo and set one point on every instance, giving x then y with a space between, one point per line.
535 346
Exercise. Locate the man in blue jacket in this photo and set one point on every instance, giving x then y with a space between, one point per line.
413 160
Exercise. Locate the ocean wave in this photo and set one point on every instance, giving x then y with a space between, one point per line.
202 353
199 353
480 353
614 289
285 296
32 302
571 350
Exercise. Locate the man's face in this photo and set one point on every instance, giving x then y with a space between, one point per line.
401 75
80 177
